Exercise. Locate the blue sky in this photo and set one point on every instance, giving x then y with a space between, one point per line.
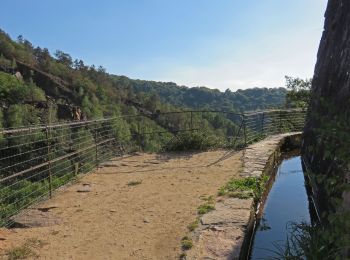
219 44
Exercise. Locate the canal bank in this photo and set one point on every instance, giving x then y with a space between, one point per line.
287 205
227 231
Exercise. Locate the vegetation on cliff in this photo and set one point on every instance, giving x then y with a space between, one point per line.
33 79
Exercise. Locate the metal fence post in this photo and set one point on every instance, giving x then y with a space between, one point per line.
202 121
245 131
280 126
139 133
49 160
96 144
191 121
262 123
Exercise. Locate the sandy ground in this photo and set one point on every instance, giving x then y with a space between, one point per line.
115 220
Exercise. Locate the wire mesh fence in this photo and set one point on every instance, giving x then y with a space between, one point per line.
36 160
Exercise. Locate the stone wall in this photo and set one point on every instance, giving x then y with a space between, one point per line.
330 101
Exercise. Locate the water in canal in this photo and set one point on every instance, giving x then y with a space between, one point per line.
287 202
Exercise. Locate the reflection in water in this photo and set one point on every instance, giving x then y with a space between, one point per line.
287 202
263 224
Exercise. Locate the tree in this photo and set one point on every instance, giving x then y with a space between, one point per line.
28 45
64 58
35 94
13 65
101 69
20 39
299 92
79 65
21 115
152 102
5 64
42 57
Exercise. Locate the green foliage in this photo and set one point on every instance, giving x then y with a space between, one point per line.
212 99
299 92
64 58
193 225
306 241
20 115
121 130
5 64
250 187
91 107
11 89
95 91
84 139
332 145
189 141
20 252
52 81
16 93
328 144
35 94
25 251
152 102
186 243
1 118
205 208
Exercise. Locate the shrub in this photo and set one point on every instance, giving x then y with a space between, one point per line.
195 140
186 243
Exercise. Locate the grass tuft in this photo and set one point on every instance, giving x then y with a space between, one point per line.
205 208
25 251
193 225
251 187
20 252
186 243
134 183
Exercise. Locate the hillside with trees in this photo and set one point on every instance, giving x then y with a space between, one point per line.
37 87
212 99
62 81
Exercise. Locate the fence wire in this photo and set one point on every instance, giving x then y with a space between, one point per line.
36 160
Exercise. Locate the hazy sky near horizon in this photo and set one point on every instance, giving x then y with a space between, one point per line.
219 44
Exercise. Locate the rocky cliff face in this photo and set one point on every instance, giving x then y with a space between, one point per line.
329 111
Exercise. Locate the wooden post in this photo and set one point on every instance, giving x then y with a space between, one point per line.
49 160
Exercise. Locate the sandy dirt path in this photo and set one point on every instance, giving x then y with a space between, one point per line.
116 220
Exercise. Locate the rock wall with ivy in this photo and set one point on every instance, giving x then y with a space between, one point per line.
326 145
326 140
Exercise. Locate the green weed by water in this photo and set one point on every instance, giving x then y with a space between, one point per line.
251 187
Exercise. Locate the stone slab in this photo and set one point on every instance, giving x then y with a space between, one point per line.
35 218
237 217
218 244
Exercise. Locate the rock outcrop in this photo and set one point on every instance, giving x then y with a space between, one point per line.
329 111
